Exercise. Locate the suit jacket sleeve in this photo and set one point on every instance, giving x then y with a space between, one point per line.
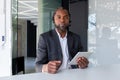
41 54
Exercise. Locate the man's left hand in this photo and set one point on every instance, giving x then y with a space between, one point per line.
82 62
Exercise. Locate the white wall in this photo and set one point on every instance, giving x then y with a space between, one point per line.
5 46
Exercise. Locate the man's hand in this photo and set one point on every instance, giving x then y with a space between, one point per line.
51 67
82 62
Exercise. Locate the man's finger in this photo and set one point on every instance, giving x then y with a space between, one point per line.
53 67
57 63
53 71
82 62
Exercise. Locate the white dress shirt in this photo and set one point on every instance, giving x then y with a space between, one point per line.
64 47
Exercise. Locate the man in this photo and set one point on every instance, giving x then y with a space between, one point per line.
58 46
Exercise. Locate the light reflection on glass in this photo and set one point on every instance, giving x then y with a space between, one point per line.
104 32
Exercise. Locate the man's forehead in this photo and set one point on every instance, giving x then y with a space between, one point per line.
62 11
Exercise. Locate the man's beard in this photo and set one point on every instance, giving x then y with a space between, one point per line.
62 27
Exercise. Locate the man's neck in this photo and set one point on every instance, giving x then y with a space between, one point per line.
62 33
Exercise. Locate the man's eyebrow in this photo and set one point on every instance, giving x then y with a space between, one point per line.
60 15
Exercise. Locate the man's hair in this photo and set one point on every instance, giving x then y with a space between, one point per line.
60 8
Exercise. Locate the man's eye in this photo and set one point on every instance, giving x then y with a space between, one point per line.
59 17
66 17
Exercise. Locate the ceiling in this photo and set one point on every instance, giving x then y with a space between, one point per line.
26 9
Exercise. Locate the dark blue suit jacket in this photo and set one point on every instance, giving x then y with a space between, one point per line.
49 47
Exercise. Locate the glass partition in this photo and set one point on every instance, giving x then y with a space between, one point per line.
14 35
14 27
104 31
45 11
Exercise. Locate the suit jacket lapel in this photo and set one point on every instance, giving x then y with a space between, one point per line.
58 47
70 44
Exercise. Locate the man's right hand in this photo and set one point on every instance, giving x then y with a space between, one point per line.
51 67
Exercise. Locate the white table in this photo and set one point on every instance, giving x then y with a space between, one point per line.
95 73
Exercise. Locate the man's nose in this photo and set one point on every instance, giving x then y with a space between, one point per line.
62 19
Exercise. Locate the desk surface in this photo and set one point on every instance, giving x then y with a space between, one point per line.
95 73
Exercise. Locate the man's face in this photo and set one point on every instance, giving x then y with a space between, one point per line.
61 20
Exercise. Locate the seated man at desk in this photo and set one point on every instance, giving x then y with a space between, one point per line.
58 46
